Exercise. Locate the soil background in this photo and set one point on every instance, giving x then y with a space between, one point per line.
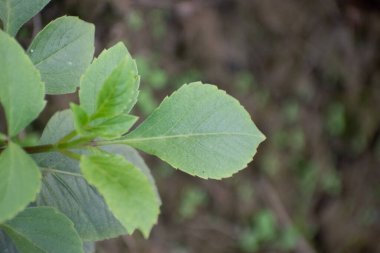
309 74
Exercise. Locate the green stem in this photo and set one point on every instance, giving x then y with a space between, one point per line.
65 146
68 137
40 149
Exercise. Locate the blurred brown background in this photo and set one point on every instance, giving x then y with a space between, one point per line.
309 74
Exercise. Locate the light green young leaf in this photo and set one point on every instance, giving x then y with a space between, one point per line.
14 13
107 128
43 230
65 189
119 92
200 130
98 72
81 119
62 51
20 181
127 191
21 89
113 127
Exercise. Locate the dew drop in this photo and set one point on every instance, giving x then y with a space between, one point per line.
31 51
70 63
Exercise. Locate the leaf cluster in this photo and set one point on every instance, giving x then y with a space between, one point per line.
84 181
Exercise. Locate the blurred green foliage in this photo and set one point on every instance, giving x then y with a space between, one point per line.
264 232
192 199
135 20
335 119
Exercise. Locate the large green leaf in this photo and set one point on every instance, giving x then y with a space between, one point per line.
21 90
43 230
99 71
20 180
127 191
65 189
14 13
62 51
200 130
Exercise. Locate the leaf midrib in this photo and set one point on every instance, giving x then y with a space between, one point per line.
163 137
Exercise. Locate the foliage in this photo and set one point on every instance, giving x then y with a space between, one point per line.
264 232
84 181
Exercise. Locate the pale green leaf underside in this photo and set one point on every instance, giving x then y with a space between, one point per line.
200 130
62 51
20 181
98 72
127 191
43 230
21 89
14 13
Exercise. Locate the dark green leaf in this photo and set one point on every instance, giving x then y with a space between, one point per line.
43 230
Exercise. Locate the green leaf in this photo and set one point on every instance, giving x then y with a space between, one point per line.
126 190
108 128
119 92
99 71
15 13
81 119
43 230
21 90
20 181
62 51
66 190
112 128
200 130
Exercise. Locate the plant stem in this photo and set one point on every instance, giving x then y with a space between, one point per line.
63 147
40 149
68 137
